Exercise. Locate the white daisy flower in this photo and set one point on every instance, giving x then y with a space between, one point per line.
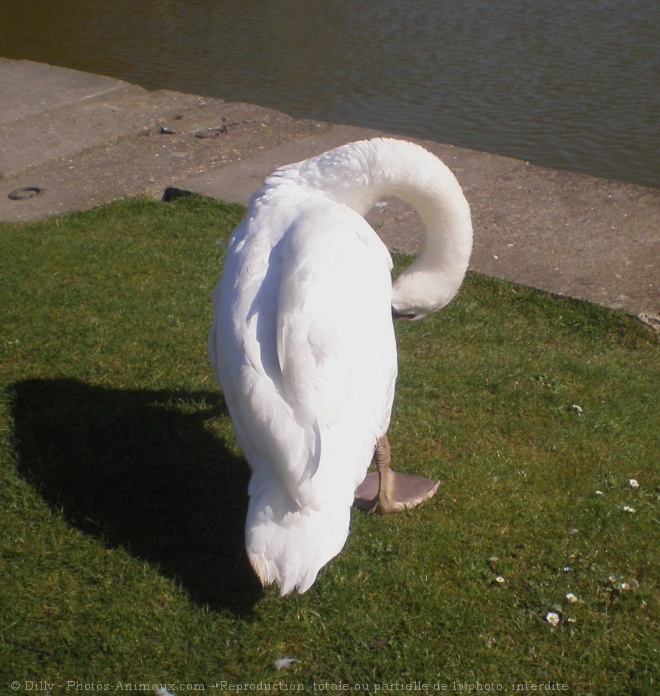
628 508
552 618
633 483
571 598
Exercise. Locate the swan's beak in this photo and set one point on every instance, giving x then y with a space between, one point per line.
398 315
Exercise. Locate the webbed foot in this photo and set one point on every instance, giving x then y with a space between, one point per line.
387 491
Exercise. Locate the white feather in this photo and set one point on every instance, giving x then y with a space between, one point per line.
284 662
303 344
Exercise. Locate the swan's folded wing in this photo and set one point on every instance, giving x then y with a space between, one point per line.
335 343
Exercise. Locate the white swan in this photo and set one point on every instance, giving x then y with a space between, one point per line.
303 343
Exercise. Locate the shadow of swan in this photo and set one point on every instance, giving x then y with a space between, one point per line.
141 470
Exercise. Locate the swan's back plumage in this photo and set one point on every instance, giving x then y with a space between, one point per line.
303 346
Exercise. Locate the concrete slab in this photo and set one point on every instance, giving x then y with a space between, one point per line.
59 131
128 143
26 88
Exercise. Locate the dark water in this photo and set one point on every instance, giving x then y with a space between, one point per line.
564 83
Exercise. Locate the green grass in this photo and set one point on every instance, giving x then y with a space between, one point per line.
123 495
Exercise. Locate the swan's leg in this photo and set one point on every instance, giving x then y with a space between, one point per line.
385 502
394 491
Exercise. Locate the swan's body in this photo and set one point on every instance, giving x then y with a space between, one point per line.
303 341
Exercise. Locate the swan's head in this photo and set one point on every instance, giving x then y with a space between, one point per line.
418 293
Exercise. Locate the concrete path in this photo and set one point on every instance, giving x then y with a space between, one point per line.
81 140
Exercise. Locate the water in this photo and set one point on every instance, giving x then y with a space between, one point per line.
571 84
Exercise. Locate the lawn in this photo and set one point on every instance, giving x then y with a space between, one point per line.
123 494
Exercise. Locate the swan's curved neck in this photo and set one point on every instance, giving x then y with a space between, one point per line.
361 173
435 276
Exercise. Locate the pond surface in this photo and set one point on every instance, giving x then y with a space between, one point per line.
571 83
